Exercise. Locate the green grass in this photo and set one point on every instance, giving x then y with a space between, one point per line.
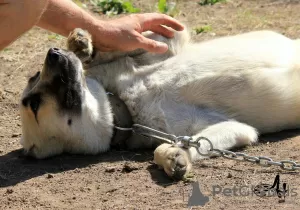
54 37
168 8
6 49
209 2
80 3
115 7
203 29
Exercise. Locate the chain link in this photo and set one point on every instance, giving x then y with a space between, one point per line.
187 141
263 161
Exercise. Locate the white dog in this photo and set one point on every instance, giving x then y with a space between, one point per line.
228 90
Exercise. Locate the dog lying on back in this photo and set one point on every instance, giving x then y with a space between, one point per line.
228 90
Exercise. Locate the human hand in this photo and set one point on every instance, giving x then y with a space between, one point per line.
124 34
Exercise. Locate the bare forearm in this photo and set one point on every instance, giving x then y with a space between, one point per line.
59 16
18 16
62 16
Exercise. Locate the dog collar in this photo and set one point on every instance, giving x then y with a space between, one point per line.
122 118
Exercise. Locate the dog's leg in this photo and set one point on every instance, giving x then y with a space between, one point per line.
80 42
225 135
176 161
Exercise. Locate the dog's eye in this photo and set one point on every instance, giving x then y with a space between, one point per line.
33 101
34 105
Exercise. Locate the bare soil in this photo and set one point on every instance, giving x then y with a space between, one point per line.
128 179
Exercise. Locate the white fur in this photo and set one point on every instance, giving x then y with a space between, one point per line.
227 90
250 78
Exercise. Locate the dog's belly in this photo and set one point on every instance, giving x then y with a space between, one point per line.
167 112
160 111
267 99
256 82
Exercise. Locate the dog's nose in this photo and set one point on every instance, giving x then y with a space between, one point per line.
53 55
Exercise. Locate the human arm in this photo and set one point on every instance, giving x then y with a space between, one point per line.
17 17
124 34
62 16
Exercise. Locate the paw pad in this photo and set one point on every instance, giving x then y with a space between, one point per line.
80 42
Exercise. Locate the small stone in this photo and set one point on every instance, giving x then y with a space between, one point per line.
129 167
229 175
110 170
15 135
9 191
76 170
49 176
111 190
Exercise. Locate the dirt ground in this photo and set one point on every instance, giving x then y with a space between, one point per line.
106 181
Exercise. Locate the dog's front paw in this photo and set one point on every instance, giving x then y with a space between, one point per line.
80 42
174 160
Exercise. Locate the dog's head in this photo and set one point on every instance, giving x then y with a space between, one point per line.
51 105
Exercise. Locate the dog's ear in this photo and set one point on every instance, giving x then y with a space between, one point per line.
33 80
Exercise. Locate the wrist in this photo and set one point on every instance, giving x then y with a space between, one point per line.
103 32
88 22
96 27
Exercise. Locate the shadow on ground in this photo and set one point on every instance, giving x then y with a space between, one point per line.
159 176
16 168
279 136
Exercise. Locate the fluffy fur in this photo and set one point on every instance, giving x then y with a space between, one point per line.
228 90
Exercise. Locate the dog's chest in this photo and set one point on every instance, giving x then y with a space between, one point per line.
154 103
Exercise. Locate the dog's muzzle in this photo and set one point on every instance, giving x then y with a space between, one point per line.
53 55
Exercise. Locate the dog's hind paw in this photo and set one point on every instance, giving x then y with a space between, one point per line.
174 160
80 42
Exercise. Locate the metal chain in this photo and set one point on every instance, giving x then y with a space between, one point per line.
187 141
263 161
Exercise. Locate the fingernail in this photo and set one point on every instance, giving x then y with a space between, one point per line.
162 47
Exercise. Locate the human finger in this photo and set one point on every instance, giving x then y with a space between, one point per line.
150 20
159 29
151 45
